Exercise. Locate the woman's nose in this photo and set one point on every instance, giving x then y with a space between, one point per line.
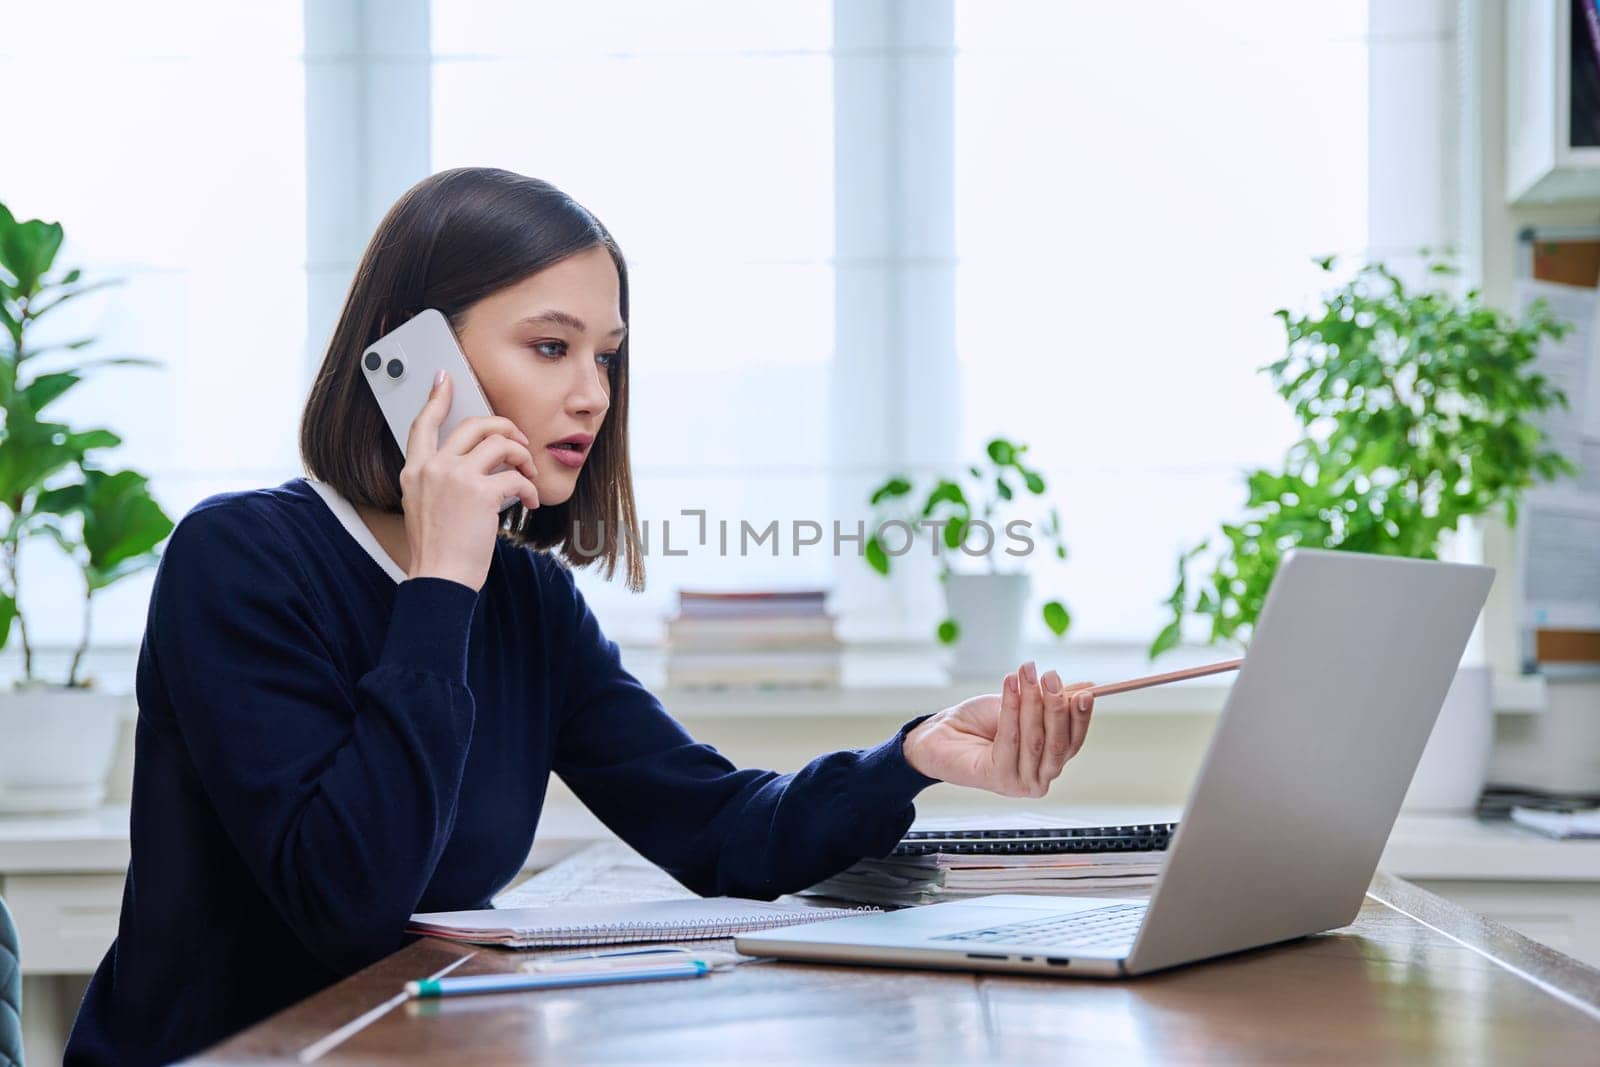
589 395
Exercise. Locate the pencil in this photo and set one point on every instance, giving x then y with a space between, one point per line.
1162 679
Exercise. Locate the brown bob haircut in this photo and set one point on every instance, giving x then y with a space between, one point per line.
449 241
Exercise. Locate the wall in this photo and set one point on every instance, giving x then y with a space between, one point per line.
1560 749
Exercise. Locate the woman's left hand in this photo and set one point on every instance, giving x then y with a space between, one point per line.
1014 742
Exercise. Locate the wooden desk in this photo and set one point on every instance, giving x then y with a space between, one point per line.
1414 980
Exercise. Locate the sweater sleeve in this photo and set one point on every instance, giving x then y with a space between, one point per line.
339 797
717 829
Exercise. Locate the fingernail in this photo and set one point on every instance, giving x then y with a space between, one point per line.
1052 682
1084 700
1030 673
1010 685
438 378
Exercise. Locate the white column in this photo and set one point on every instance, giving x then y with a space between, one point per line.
1413 158
368 124
895 404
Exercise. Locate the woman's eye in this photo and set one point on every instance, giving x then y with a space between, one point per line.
606 358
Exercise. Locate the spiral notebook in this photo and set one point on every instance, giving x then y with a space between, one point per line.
556 925
1021 833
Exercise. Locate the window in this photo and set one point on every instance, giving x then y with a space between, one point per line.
1138 187
1135 190
701 135
172 150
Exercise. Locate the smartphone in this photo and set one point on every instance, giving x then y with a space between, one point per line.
399 368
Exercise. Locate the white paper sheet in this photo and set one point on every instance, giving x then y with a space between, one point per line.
1565 825
1559 530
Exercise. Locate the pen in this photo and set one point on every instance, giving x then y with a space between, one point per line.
582 966
634 959
429 988
675 951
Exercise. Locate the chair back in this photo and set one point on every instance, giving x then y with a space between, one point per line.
10 992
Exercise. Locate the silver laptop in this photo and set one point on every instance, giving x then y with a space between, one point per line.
1315 748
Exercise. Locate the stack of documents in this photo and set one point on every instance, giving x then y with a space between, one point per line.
942 859
1496 801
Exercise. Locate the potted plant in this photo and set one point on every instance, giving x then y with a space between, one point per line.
1419 413
59 736
984 610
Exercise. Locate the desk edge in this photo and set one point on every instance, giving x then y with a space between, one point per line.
1558 974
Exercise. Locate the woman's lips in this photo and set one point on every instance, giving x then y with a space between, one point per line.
571 457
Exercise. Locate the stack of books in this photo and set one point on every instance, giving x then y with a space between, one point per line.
761 638
1036 854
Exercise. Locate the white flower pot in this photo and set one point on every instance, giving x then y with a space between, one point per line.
988 610
1456 759
56 746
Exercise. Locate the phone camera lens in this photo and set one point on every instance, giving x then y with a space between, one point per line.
373 361
395 368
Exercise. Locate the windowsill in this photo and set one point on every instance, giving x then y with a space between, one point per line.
1423 845
899 679
893 679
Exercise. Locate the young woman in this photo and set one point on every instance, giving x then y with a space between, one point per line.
354 687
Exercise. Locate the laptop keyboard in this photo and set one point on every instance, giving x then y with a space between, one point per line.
1102 928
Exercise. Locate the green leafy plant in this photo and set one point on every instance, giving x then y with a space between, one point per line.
1418 410
950 507
50 486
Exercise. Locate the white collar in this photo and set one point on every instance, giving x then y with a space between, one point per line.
346 513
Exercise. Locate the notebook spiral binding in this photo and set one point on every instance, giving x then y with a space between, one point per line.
675 930
1139 837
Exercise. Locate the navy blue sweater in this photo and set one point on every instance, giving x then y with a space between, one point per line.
322 751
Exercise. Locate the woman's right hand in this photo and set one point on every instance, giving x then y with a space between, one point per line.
451 501
1013 743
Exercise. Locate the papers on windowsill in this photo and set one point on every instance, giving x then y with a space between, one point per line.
1565 825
